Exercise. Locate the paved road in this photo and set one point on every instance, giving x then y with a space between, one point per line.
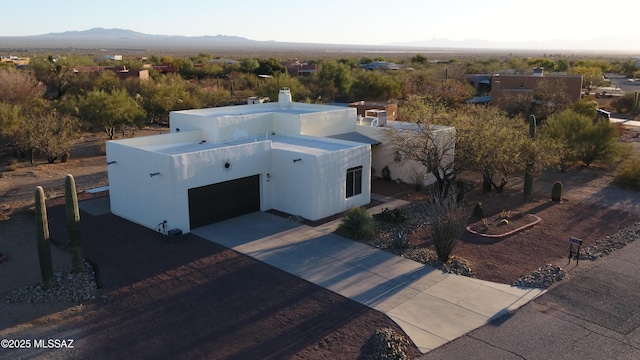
623 83
593 315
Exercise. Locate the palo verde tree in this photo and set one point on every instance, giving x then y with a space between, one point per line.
580 138
44 130
491 142
110 111
167 93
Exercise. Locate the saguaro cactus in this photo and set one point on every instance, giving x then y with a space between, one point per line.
44 248
73 223
529 168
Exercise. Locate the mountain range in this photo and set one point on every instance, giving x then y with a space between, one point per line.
121 39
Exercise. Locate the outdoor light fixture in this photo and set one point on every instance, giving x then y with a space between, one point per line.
111 162
154 174
296 160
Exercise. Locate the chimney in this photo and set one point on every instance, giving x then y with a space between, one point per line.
538 72
284 97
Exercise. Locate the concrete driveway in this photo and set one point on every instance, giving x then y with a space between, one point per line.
432 307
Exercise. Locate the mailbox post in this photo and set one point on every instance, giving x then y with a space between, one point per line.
578 242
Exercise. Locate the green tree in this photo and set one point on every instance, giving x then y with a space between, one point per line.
270 66
48 132
419 59
562 65
628 67
582 139
586 106
599 143
412 109
375 86
249 65
546 64
491 142
168 93
591 76
110 110
55 73
333 78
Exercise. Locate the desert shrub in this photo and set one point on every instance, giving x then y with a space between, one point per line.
628 175
400 239
623 104
356 224
12 165
416 176
394 216
448 221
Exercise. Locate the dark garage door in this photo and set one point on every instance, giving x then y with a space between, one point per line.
212 203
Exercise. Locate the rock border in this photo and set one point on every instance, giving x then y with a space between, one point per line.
537 220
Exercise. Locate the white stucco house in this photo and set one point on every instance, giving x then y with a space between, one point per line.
303 159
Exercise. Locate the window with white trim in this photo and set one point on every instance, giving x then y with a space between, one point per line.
354 181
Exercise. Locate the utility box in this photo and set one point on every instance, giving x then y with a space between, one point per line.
174 235
380 115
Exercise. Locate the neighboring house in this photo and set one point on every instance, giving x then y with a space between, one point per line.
163 69
504 87
121 71
17 61
307 160
109 58
500 89
382 65
300 69
363 106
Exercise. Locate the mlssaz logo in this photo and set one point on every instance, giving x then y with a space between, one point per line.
53 343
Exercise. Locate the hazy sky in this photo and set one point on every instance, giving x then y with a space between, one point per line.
332 21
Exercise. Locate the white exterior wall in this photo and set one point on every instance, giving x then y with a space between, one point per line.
286 124
404 170
315 186
224 128
292 183
328 123
207 167
137 196
331 177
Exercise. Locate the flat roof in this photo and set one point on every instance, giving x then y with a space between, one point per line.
264 108
307 145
